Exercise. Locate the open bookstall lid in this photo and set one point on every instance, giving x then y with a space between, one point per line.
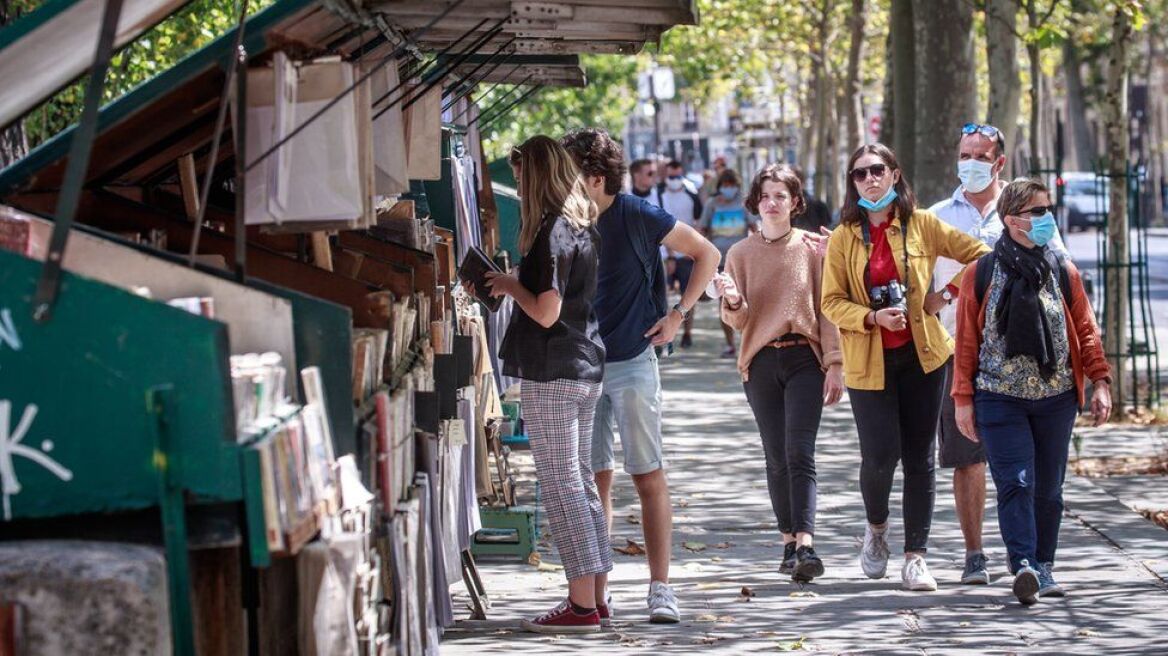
44 51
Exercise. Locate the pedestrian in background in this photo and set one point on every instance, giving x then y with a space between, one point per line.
877 271
790 360
726 221
679 198
553 345
1027 342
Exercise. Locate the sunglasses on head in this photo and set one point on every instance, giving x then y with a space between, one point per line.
1037 211
876 171
984 130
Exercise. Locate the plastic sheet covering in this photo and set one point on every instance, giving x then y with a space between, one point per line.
326 576
317 178
389 138
423 123
427 602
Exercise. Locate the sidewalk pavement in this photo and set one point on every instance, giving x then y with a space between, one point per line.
1112 561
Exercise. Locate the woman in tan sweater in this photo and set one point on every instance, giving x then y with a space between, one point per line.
790 357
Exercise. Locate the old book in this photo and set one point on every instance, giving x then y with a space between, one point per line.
14 233
272 525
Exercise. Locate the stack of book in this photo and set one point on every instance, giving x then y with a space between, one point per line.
15 231
257 385
370 348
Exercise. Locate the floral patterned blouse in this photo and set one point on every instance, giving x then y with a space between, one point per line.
1019 376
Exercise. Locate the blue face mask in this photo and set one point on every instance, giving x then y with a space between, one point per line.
728 192
884 201
1042 229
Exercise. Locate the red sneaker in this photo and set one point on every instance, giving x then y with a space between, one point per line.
562 619
605 612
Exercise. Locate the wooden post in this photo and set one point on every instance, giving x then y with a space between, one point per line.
322 254
189 182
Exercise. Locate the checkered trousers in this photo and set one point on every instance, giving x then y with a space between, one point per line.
558 415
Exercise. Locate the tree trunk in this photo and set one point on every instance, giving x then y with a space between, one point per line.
887 115
853 109
1034 57
1082 155
904 94
1005 86
945 69
1116 123
13 144
1155 180
824 120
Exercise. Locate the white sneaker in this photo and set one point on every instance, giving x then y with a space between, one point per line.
874 556
916 576
662 604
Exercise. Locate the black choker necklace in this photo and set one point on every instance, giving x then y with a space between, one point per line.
780 238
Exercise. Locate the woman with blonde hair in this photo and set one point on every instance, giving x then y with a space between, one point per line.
553 344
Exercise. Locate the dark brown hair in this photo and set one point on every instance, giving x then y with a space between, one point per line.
784 175
597 154
639 164
729 176
905 203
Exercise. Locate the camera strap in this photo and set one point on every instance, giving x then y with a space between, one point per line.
866 230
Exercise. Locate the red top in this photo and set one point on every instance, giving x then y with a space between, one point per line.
882 269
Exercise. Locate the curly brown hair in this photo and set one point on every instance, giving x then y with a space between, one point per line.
597 154
784 175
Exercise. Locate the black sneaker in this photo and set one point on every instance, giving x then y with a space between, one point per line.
789 559
808 565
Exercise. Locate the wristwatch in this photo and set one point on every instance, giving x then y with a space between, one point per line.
947 295
680 310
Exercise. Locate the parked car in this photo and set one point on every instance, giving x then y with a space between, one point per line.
1084 200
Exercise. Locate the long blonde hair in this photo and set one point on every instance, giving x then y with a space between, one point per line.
549 185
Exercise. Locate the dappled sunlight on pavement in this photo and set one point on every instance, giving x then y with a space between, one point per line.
725 544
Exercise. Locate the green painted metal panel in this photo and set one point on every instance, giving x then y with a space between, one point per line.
75 431
507 203
324 338
501 172
440 193
214 54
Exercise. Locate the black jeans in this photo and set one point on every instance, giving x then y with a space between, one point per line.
785 391
899 423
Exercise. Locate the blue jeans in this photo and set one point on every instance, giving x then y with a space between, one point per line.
1026 443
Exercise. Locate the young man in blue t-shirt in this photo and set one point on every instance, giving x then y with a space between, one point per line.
631 309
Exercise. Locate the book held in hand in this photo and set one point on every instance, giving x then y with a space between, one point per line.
473 270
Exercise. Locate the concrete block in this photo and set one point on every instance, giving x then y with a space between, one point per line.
93 598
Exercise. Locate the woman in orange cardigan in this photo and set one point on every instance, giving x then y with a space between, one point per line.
1026 339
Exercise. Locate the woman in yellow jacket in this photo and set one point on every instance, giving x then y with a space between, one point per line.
876 283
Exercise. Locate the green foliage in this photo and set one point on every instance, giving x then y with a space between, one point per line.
606 102
169 42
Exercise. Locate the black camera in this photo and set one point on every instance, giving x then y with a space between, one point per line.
889 296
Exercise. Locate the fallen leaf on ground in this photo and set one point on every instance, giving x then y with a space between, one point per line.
633 519
631 549
747 592
706 640
716 559
723 545
708 586
549 567
726 619
682 503
964 624
1087 633
797 645
707 618
804 594
694 546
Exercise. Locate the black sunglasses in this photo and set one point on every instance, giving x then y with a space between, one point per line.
861 173
1038 211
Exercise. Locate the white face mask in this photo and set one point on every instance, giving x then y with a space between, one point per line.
674 184
975 176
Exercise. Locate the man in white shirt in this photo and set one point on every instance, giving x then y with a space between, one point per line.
971 209
677 196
